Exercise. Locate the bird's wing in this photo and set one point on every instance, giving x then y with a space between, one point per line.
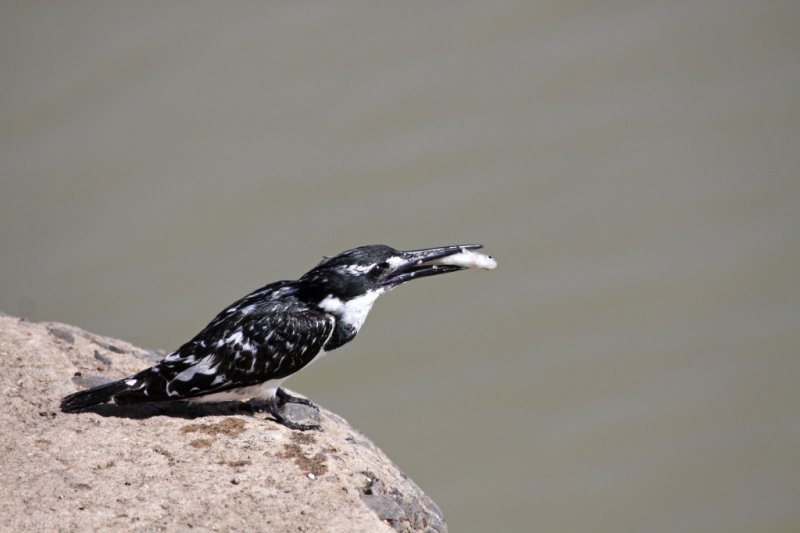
271 342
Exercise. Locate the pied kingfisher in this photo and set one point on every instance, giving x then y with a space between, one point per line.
253 345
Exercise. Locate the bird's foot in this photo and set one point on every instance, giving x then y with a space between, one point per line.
248 407
284 398
274 408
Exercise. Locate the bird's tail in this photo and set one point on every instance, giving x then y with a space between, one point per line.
96 395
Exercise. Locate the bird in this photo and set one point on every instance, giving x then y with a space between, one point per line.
249 348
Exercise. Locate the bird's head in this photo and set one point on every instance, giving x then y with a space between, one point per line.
353 280
379 268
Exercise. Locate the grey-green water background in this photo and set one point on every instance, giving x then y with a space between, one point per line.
633 363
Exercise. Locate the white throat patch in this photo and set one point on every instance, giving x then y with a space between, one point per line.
353 312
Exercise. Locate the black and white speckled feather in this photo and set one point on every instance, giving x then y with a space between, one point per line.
254 344
245 346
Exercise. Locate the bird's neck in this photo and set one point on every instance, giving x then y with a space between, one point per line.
349 314
352 312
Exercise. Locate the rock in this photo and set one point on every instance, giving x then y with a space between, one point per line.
174 466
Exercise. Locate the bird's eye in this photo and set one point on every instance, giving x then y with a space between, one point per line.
378 269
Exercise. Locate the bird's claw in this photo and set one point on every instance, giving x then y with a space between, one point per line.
284 398
281 398
294 425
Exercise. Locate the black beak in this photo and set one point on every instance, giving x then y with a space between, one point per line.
415 263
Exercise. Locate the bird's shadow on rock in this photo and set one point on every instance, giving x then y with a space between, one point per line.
186 409
176 409
193 410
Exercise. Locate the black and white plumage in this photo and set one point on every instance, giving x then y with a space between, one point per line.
253 345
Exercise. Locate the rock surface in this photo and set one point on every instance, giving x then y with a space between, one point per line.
172 466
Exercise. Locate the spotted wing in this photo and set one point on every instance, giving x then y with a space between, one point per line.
271 342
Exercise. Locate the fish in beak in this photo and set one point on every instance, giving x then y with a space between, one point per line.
415 264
